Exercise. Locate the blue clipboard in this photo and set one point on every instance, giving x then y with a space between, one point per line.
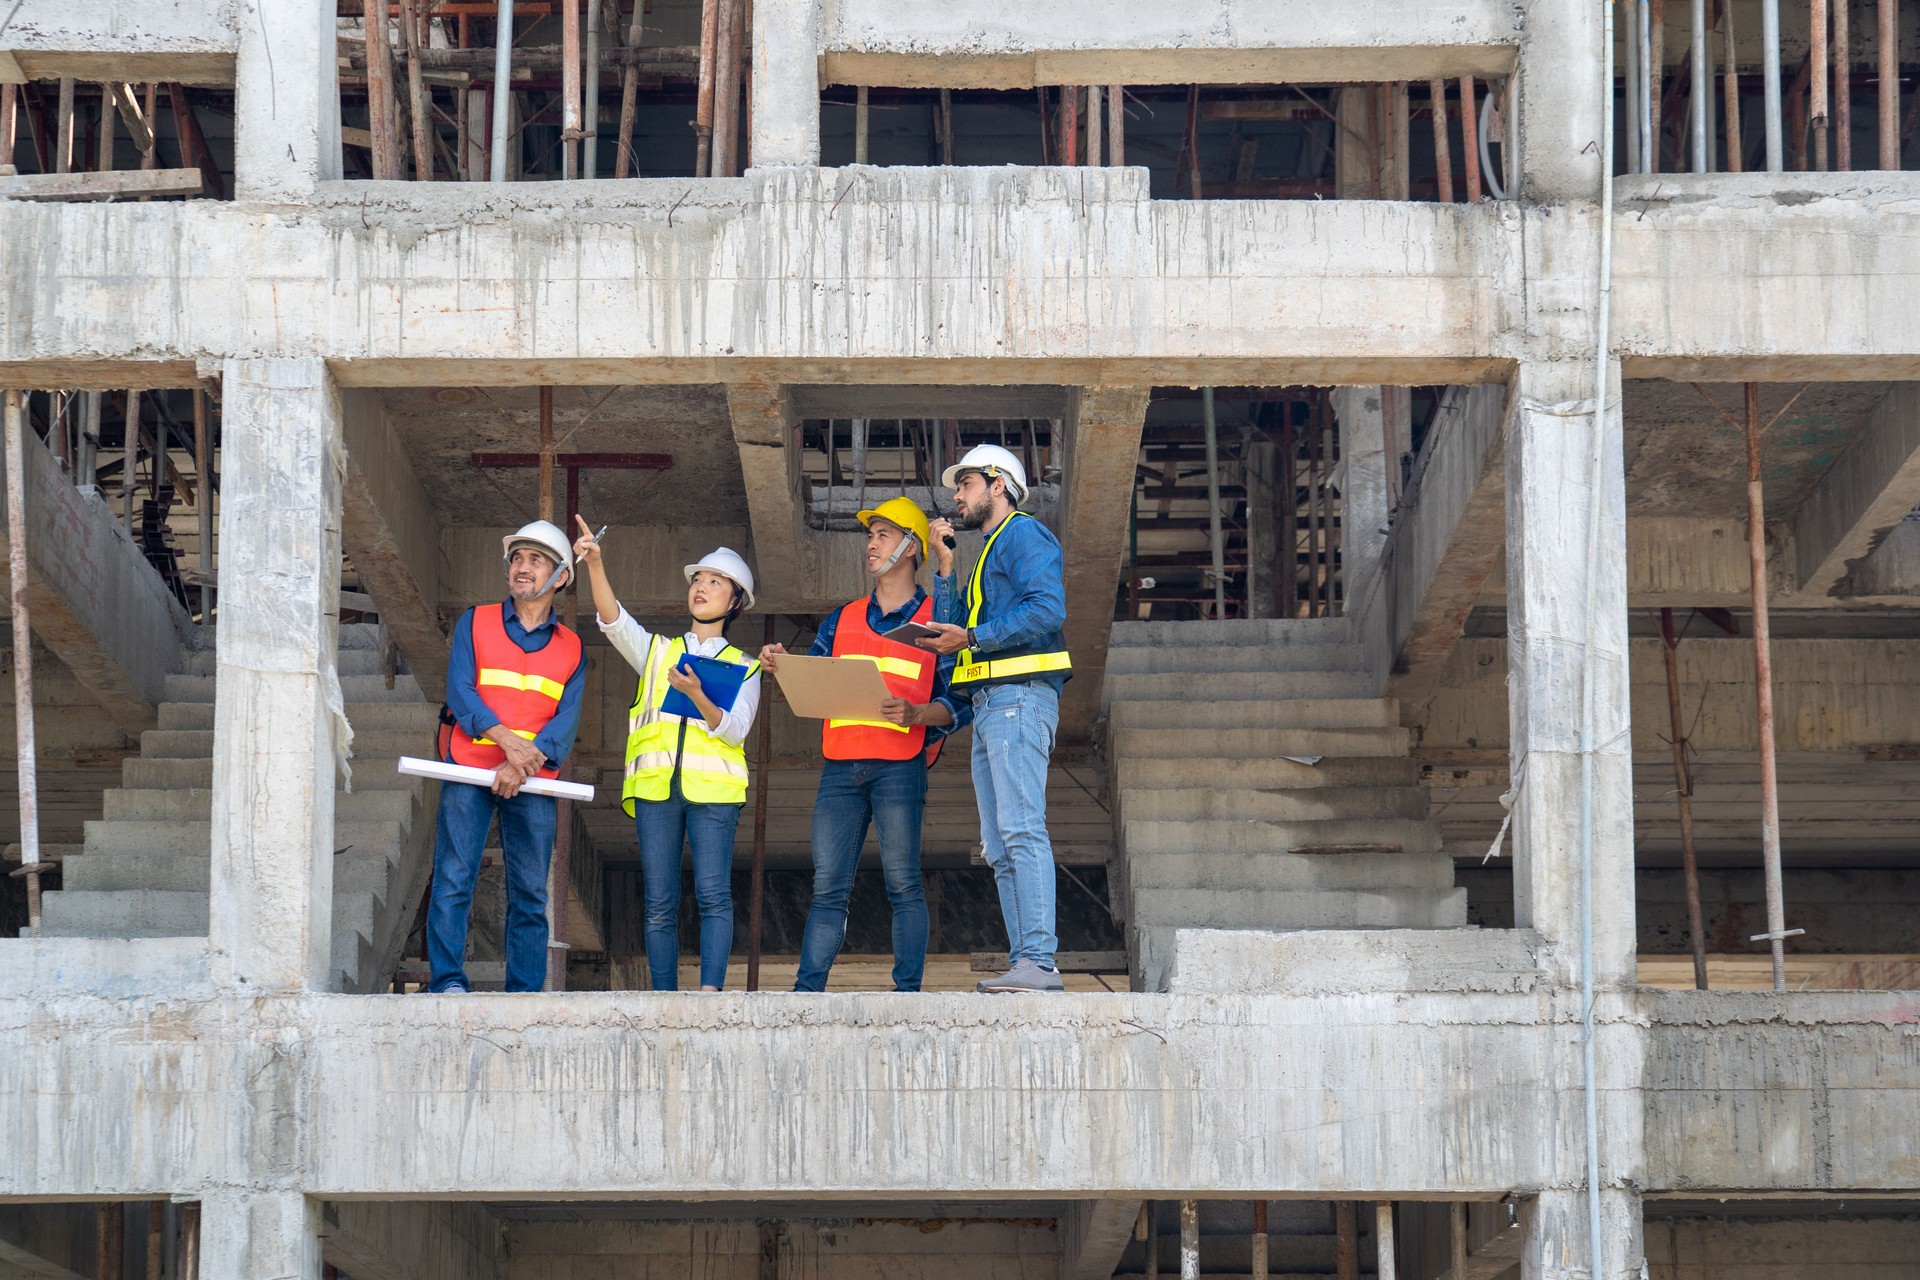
719 680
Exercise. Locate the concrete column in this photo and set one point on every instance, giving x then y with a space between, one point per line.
286 99
250 1234
1550 502
785 128
1263 549
1559 104
1361 413
1557 1230
277 718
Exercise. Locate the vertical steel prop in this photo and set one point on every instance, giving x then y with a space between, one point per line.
1889 84
1683 788
30 865
1385 1264
502 91
1217 540
1777 932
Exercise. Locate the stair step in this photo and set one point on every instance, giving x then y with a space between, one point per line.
176 744
1268 632
1302 804
195 804
1233 873
124 913
110 838
191 873
1215 836
1165 744
352 662
1237 712
365 717
370 688
1247 684
1136 776
1283 909
1220 658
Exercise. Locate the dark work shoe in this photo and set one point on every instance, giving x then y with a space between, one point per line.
1025 976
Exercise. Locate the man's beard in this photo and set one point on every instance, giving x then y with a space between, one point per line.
973 517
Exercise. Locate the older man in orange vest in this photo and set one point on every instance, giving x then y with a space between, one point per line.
876 770
514 679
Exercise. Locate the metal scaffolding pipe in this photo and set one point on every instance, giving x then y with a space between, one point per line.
502 92
1217 542
1842 86
1777 931
623 154
1189 1240
1701 90
1346 1241
1656 78
1469 139
1631 85
1258 1269
703 97
1683 788
1889 84
1442 145
590 85
30 866
1819 110
1385 1265
1736 144
1770 81
569 88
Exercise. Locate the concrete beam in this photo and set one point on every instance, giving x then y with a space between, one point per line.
1868 490
389 528
413 1240
190 41
852 400
1093 1235
1103 448
94 599
981 44
1450 537
781 545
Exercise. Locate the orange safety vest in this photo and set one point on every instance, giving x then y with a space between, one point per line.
524 689
908 671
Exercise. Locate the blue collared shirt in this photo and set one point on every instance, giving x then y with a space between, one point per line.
470 710
879 622
1025 580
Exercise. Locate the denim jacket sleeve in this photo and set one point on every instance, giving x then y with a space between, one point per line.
1030 571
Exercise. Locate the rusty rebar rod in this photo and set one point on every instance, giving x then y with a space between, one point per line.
1683 788
1777 932
30 865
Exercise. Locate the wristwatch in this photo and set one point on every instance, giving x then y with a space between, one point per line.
971 642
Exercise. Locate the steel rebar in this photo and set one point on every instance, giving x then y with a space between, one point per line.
1770 81
23 727
1889 84
1763 694
502 92
1683 789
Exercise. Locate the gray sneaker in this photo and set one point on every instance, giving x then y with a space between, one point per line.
1024 976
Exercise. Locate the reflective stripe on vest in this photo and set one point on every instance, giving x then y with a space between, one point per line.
711 772
523 688
971 668
909 674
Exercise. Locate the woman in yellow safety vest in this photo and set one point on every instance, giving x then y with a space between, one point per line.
686 777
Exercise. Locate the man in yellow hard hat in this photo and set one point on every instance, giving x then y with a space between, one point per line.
876 770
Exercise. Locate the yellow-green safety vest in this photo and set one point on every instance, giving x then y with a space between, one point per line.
711 772
1018 664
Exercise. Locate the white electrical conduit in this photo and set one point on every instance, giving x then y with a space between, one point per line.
502 91
1602 340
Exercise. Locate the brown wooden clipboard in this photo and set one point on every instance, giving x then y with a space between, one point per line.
831 688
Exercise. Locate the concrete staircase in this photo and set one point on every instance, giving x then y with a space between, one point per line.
1258 784
144 868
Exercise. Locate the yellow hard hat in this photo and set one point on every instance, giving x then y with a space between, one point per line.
903 513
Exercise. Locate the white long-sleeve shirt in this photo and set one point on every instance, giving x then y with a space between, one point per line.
631 639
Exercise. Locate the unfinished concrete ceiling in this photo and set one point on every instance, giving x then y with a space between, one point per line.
443 427
1684 459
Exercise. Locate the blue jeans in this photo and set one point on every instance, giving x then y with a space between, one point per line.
1013 727
664 828
892 794
527 824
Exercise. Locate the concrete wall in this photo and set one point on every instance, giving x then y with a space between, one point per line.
1789 1248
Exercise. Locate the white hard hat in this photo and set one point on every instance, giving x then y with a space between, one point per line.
543 536
990 460
726 562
